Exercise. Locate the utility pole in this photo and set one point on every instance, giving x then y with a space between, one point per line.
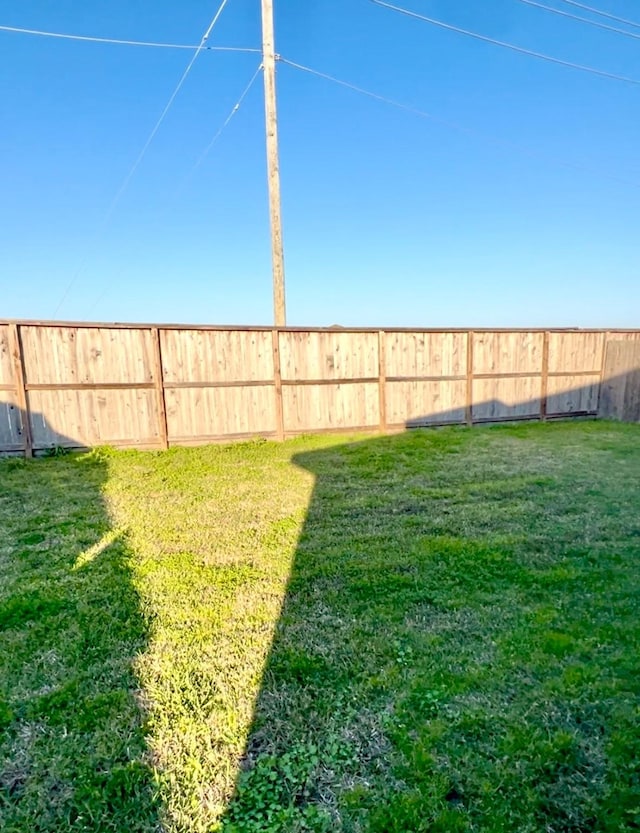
273 167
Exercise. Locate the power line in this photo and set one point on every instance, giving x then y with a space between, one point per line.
506 45
145 147
224 125
200 160
602 14
121 42
581 19
463 129
361 90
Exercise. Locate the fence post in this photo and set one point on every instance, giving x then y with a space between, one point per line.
21 390
277 383
382 378
544 385
158 374
605 340
469 407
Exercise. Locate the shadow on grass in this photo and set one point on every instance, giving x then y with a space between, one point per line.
72 748
455 651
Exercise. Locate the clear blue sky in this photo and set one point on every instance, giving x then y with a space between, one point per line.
389 218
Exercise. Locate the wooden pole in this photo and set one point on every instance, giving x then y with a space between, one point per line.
21 390
273 167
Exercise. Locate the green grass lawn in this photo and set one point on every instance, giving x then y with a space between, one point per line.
434 631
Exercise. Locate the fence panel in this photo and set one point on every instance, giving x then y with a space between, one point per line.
77 355
497 395
328 355
218 383
425 377
206 414
575 368
499 353
89 386
85 418
215 356
332 407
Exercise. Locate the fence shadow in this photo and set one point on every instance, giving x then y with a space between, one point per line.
419 556
72 747
617 397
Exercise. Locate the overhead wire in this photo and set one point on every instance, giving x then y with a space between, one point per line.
530 52
123 42
586 20
527 151
225 123
599 12
125 183
234 110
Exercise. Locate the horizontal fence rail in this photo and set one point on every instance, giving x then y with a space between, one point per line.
152 386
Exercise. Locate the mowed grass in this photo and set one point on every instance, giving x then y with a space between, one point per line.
435 631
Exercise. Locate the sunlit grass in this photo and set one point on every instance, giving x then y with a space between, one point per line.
440 630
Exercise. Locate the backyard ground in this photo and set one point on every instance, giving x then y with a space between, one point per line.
434 631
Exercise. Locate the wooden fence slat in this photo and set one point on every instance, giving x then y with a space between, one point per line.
21 393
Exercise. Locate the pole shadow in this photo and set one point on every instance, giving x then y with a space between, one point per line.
72 739
422 574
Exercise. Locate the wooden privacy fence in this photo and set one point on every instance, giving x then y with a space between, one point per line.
152 386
